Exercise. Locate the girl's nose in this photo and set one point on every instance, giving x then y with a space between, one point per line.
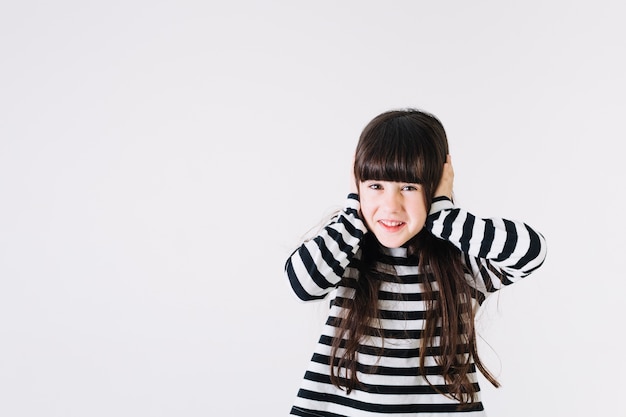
392 201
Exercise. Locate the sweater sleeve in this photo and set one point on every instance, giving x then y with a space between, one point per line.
497 251
317 266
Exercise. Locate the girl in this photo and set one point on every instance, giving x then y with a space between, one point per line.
407 270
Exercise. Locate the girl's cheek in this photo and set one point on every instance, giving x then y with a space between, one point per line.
365 214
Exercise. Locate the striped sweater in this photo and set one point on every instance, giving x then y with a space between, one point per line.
498 252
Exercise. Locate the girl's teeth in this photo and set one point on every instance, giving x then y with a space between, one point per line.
391 223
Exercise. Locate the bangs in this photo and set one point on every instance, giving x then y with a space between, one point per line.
395 154
392 164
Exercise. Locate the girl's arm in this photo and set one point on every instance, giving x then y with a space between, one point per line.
317 266
498 251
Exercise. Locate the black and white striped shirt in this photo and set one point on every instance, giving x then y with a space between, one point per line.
497 251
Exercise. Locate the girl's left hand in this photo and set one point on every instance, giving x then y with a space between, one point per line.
444 189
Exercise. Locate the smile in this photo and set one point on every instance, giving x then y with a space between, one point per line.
391 224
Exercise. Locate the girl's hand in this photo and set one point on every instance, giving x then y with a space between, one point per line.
353 186
444 189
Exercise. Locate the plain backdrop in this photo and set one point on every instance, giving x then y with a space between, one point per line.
159 161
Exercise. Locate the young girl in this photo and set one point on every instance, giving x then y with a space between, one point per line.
407 270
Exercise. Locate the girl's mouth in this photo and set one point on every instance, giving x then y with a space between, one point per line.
391 225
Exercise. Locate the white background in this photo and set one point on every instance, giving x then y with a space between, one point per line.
159 160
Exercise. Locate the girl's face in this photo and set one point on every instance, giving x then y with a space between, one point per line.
394 211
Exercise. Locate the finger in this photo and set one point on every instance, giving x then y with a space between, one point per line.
448 165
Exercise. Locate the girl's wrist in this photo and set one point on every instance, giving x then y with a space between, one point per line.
440 203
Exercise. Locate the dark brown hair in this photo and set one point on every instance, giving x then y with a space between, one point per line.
411 146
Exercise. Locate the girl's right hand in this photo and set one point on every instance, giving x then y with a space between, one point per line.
353 186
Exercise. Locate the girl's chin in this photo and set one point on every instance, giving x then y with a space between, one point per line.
391 243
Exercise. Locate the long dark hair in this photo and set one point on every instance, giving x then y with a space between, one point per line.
411 146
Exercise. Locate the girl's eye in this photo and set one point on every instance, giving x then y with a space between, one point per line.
409 188
375 186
